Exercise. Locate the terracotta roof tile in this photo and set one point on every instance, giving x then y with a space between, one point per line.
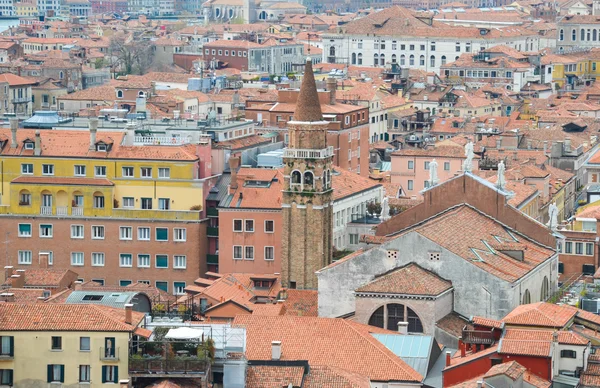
321 376
410 279
443 151
25 295
453 324
525 348
346 183
540 314
486 322
308 105
301 303
42 277
271 376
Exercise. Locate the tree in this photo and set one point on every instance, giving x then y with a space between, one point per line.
374 208
129 57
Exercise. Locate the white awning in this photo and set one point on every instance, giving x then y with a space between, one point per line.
184 333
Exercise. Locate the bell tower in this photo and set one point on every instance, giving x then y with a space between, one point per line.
307 195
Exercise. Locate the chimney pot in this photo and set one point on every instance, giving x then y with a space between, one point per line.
403 327
276 350
448 358
17 281
7 297
332 88
93 124
8 271
38 144
128 313
14 126
234 163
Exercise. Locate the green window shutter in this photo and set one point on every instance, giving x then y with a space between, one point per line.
162 261
12 346
103 374
62 373
24 228
116 378
10 376
49 373
162 234
162 286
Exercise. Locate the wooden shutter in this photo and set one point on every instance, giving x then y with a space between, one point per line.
62 373
12 346
116 375
103 374
49 373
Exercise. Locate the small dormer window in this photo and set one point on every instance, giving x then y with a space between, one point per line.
101 147
29 145
119 93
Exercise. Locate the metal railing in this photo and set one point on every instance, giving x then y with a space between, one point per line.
478 337
46 210
160 140
307 153
109 354
165 366
21 100
77 211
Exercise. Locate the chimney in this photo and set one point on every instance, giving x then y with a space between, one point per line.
499 142
448 357
17 281
43 259
331 87
14 125
234 163
276 350
77 285
8 271
21 272
528 144
236 98
480 384
93 124
473 348
545 147
403 327
129 134
7 297
461 347
153 88
128 313
567 144
38 144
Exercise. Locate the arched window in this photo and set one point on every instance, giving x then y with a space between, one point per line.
24 198
377 318
545 289
217 12
395 314
589 35
595 35
402 60
61 75
411 60
230 13
422 60
582 35
296 178
360 58
561 34
119 93
443 60
376 60
308 180
393 58
432 61
526 297
327 175
332 51
354 58
98 200
573 35
414 322
456 58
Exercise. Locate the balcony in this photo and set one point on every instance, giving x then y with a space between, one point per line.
212 259
212 212
160 140
109 354
46 210
77 211
212 231
21 100
478 337
171 367
308 154
62 211
187 215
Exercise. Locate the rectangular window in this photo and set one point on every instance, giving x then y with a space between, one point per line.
79 170
97 232
77 258
100 171
426 165
589 249
237 252
110 374
147 203
163 203
568 354
6 377
128 202
99 281
162 261
237 225
249 225
146 172
249 253
127 172
446 166
144 233
24 199
25 257
98 202
269 226
27 168
84 344
47 169
76 231
7 345
411 165
124 283
56 373
56 343
162 234
97 259
568 247
143 261
179 262
269 253
125 233
410 185
24 230
45 230
84 373
162 286
125 260
179 234
178 288
579 248
164 173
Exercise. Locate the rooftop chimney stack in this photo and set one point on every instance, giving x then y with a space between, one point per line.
14 125
128 313
499 142
276 350
403 327
17 281
332 88
479 384
125 383
21 273
567 144
8 297
448 357
129 134
43 259
234 163
93 124
8 271
545 147
38 144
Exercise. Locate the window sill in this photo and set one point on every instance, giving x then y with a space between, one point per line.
84 351
56 350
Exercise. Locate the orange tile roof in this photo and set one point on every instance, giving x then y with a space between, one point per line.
269 309
274 376
410 279
563 337
243 142
301 303
540 314
240 289
42 277
25 295
325 341
525 348
15 80
346 183
486 322
64 317
443 151
457 360
321 376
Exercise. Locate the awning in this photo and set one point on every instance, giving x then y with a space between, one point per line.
140 331
184 333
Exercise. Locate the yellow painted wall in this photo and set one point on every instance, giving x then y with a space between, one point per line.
32 354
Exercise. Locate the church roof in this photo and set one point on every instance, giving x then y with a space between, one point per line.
308 106
410 280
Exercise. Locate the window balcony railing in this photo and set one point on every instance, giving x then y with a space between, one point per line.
478 337
62 211
21 100
77 211
308 154
109 354
46 210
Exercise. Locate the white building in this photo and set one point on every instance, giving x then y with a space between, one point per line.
396 35
578 31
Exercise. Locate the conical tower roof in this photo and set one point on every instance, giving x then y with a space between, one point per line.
308 107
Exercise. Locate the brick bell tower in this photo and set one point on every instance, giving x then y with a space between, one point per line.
307 195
